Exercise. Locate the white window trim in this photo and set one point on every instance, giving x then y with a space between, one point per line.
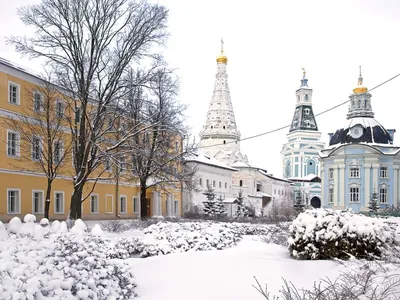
17 143
98 203
41 100
63 108
126 205
40 147
61 154
33 201
176 207
63 204
133 205
112 204
359 193
19 202
18 92
387 171
359 171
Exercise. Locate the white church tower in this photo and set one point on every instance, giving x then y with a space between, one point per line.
300 158
220 137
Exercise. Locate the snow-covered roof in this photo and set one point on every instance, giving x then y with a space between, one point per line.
264 172
229 200
241 164
259 195
309 177
208 160
19 67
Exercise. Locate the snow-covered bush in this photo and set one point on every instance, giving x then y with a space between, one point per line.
14 225
62 267
29 218
116 226
3 231
324 234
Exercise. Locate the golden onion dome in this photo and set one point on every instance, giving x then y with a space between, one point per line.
222 58
360 89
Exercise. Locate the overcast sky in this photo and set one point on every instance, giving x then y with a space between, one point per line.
267 44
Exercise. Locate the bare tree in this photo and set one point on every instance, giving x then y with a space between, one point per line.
90 43
44 136
157 154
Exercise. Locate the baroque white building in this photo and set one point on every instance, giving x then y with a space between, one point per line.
220 139
300 154
360 159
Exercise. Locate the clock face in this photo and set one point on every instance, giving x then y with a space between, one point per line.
356 131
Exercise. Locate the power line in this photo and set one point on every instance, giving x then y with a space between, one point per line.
316 115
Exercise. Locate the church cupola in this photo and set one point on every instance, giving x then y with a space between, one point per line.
219 132
360 101
303 118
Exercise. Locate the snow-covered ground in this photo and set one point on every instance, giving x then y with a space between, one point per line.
226 274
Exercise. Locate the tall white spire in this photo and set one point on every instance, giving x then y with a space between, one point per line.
219 132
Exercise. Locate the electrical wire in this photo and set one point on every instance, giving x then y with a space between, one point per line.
287 126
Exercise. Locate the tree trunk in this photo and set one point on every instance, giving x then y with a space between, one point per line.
143 200
47 202
76 203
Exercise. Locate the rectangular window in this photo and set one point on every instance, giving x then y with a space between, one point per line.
122 165
207 182
37 202
201 181
135 205
107 164
12 143
220 184
59 202
77 115
354 194
94 204
13 93
58 149
122 204
109 204
383 195
176 207
36 148
330 195
13 201
59 109
355 172
330 173
383 172
37 101
213 183
226 185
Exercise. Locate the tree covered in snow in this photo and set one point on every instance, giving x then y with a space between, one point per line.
90 44
299 203
241 210
44 146
374 202
213 207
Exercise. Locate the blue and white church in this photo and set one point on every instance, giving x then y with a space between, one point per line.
300 155
360 159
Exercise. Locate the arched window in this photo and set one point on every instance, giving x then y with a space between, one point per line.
240 182
311 167
224 142
359 103
306 97
223 127
383 194
365 103
212 127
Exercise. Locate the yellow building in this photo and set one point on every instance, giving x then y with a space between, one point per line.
23 186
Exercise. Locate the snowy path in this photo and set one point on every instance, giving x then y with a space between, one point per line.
226 274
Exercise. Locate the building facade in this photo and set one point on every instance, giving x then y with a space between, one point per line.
300 154
23 184
360 160
220 138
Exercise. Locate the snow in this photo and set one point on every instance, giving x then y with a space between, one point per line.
44 222
227 274
208 160
29 218
14 225
3 231
97 231
79 227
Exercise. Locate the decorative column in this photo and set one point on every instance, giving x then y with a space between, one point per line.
170 211
324 181
395 185
335 186
341 183
367 185
156 204
375 168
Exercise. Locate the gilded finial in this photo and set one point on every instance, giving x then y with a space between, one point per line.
304 72
360 89
222 58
